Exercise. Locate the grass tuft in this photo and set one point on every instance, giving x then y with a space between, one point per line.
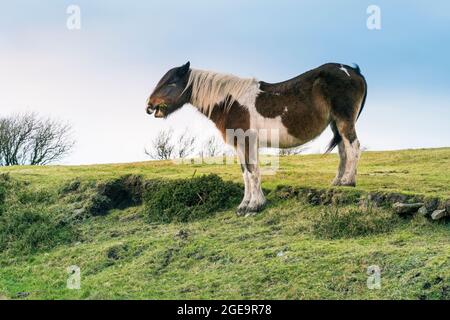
189 199
336 222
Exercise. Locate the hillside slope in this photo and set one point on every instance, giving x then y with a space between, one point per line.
292 250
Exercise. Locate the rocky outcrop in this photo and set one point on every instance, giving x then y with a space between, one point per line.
403 204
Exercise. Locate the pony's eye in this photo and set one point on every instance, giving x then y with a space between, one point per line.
172 84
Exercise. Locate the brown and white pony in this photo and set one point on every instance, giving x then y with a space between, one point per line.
300 109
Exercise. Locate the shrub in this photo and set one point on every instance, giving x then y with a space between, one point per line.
189 199
337 222
98 205
27 229
116 194
123 192
120 193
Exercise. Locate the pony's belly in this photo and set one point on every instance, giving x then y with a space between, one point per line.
273 133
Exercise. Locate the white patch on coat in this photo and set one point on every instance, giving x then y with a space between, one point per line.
345 70
266 126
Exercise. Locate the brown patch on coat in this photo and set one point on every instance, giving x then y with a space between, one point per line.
236 117
309 102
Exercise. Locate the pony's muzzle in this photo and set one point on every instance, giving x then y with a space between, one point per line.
150 109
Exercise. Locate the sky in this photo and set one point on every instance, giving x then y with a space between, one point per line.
98 77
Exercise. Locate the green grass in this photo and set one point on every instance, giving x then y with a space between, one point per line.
292 250
423 171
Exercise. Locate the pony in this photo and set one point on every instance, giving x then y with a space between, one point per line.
300 109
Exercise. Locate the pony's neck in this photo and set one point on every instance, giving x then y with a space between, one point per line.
210 89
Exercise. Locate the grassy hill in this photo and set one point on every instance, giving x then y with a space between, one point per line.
58 216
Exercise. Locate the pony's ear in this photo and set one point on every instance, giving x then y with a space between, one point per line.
184 68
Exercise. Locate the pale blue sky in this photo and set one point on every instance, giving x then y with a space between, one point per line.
100 76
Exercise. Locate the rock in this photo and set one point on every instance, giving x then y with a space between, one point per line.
377 198
79 214
313 198
396 197
406 208
431 204
22 294
447 205
423 211
326 198
439 214
182 234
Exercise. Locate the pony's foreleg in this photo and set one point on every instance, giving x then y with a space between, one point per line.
242 209
258 200
254 199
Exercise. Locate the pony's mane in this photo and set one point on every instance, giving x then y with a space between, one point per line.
211 88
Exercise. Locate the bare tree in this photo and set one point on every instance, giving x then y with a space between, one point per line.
291 151
27 139
165 146
212 148
185 145
162 147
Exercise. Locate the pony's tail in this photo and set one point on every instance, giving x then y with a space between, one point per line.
358 70
337 138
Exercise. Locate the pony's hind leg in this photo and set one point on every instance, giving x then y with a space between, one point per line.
342 164
351 152
342 157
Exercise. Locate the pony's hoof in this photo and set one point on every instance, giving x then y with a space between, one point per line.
336 183
343 183
254 209
251 214
241 210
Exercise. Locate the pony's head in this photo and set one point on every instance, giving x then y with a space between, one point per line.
170 93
